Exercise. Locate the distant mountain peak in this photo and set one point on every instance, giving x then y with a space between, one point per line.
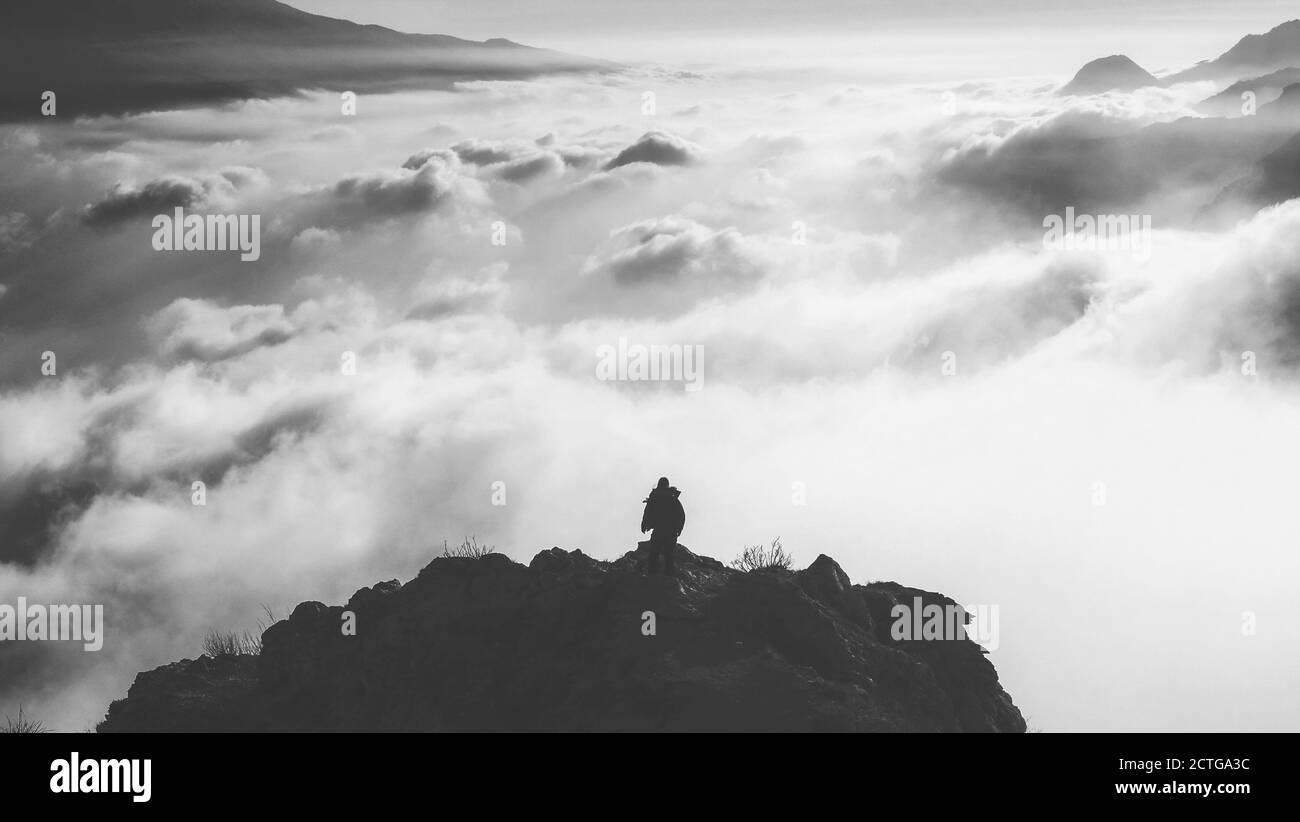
1114 73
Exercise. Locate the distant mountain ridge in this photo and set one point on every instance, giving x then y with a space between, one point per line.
1286 104
1266 89
149 19
133 55
1275 49
1254 56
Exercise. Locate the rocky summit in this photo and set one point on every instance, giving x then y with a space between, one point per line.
570 643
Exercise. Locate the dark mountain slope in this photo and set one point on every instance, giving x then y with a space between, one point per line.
128 55
1274 179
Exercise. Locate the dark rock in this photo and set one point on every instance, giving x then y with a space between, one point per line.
194 695
307 612
826 582
563 563
374 596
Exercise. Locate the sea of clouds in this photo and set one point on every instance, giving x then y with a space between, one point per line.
806 231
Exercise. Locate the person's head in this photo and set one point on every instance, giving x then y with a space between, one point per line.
663 484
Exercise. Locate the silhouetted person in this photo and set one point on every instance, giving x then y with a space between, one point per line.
663 513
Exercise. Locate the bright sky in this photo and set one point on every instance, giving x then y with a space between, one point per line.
1047 36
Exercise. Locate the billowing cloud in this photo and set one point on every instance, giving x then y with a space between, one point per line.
127 202
490 152
670 249
416 161
199 330
528 168
448 298
394 193
515 161
659 148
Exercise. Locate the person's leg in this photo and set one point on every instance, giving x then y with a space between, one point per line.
658 551
652 563
668 545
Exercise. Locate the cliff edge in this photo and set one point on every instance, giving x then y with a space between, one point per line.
570 643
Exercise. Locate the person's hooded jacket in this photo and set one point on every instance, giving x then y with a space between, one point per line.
664 510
